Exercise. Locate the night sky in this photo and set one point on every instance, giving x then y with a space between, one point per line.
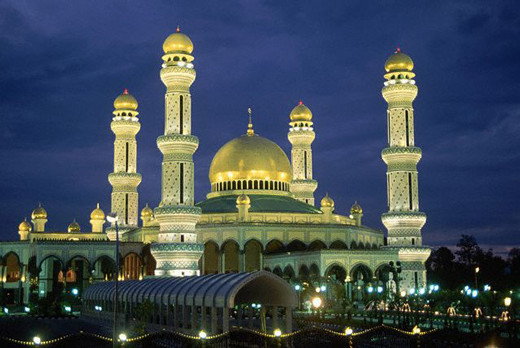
62 63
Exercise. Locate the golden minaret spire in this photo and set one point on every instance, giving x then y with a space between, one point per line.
250 130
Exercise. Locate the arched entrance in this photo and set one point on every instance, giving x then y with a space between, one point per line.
317 245
211 257
51 275
304 273
338 245
274 247
77 273
252 255
13 272
149 261
104 269
230 250
132 266
361 276
288 273
296 245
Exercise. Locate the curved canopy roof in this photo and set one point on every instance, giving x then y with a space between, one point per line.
214 290
259 203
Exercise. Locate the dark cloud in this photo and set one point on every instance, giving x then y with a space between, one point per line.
63 63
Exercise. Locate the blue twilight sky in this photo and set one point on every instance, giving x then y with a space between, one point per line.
62 63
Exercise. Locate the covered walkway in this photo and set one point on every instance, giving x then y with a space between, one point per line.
199 302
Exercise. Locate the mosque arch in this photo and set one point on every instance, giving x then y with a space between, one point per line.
274 246
77 272
296 245
13 267
336 272
211 257
77 257
361 245
252 255
278 271
317 245
288 272
338 245
230 252
314 271
360 271
304 273
353 245
149 260
132 266
104 268
50 257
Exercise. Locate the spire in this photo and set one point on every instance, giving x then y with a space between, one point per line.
97 206
125 91
178 30
397 50
250 130
300 102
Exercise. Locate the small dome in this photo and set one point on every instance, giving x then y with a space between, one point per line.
97 214
126 101
74 227
178 42
39 213
356 209
327 201
243 199
399 62
24 226
147 212
301 113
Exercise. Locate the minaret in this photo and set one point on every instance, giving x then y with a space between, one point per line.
97 219
301 135
177 251
125 179
403 219
39 218
24 229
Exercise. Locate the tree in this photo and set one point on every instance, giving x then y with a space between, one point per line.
468 251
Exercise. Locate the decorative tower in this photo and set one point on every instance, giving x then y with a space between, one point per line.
147 216
24 229
327 207
243 205
125 179
177 251
97 219
403 219
301 135
356 213
39 218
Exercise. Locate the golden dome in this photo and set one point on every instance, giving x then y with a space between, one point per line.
250 157
243 199
97 214
39 213
24 226
356 209
178 42
74 227
399 62
126 101
327 201
301 113
147 212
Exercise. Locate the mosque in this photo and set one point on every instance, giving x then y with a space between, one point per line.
261 213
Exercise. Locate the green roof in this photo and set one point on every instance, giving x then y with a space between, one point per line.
259 203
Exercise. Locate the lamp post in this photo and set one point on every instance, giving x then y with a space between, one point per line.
113 218
477 269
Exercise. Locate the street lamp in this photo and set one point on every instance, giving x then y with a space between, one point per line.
477 269
203 335
507 301
123 337
113 218
37 340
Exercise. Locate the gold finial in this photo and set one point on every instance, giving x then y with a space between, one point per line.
178 30
250 130
97 206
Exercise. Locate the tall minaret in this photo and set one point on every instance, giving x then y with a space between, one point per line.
301 135
403 219
124 180
177 251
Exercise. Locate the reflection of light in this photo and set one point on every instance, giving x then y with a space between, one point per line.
277 332
348 331
37 340
416 330
203 334
122 337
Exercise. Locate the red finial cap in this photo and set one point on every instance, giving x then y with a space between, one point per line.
178 29
125 91
300 103
397 50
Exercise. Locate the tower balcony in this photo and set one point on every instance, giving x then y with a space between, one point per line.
401 155
404 220
301 136
178 143
124 179
399 93
178 78
125 125
303 186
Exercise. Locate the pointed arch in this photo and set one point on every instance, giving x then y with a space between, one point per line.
338 245
211 257
317 245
